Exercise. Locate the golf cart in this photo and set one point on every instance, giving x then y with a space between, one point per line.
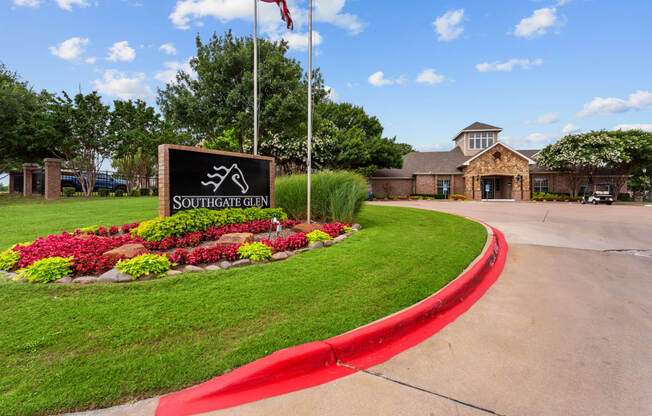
599 194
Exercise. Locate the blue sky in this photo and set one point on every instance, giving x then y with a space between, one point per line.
426 69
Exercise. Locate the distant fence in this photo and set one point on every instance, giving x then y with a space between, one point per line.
110 181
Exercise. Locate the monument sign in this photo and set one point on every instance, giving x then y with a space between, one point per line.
192 177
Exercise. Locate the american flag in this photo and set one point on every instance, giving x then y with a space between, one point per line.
285 13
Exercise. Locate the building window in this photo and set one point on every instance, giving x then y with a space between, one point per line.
440 186
541 185
481 140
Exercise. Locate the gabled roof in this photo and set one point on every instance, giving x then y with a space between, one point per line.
477 126
530 161
427 162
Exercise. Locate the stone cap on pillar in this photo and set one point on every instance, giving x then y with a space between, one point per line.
30 166
52 160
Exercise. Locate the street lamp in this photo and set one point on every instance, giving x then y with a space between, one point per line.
644 184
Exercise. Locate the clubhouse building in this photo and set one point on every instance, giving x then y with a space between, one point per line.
480 166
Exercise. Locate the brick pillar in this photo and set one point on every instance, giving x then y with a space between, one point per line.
52 178
12 181
27 178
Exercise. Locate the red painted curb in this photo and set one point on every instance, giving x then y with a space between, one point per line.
315 363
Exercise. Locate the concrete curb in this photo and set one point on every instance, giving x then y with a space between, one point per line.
318 362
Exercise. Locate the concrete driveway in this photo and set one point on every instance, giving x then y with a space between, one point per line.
566 329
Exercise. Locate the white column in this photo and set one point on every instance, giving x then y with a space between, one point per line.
309 162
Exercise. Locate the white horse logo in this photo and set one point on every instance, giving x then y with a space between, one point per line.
222 173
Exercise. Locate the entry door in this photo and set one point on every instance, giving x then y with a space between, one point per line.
488 187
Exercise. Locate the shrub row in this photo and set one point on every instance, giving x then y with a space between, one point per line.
104 192
200 219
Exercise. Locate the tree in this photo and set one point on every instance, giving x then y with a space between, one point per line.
636 145
135 132
23 122
218 95
81 135
582 155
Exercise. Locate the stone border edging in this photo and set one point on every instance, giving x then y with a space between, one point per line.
318 362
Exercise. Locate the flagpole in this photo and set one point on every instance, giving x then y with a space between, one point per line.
255 77
309 103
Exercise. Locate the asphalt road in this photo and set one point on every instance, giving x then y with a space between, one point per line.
566 329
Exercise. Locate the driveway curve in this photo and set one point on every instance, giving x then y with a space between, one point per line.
566 329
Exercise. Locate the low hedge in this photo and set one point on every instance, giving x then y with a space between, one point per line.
119 192
200 219
134 192
68 191
144 191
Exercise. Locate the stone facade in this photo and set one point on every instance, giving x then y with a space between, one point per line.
498 162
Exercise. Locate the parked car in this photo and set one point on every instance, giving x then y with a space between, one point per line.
102 181
600 194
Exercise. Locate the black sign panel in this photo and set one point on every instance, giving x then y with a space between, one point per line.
216 181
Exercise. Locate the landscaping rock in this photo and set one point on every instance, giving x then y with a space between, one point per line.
212 267
260 262
305 228
148 276
65 279
173 272
357 227
191 268
302 250
85 280
279 256
236 238
114 276
328 243
225 265
127 250
239 263
289 253
339 238
316 244
21 280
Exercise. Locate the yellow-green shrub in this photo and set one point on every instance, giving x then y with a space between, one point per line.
8 259
317 235
255 251
47 270
156 264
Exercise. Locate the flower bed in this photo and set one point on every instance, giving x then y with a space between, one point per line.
455 197
546 197
86 249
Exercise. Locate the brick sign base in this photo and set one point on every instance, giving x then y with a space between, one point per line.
192 177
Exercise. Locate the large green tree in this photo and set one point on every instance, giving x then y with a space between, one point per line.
636 146
24 121
218 95
582 156
80 135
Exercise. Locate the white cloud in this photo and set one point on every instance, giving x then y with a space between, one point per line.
644 127
377 79
540 137
299 41
118 84
325 11
27 3
69 49
330 11
90 60
121 51
570 128
332 94
508 65
169 75
611 105
449 25
548 118
430 77
538 24
67 4
168 48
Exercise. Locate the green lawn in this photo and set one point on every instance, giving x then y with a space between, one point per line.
25 219
65 348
